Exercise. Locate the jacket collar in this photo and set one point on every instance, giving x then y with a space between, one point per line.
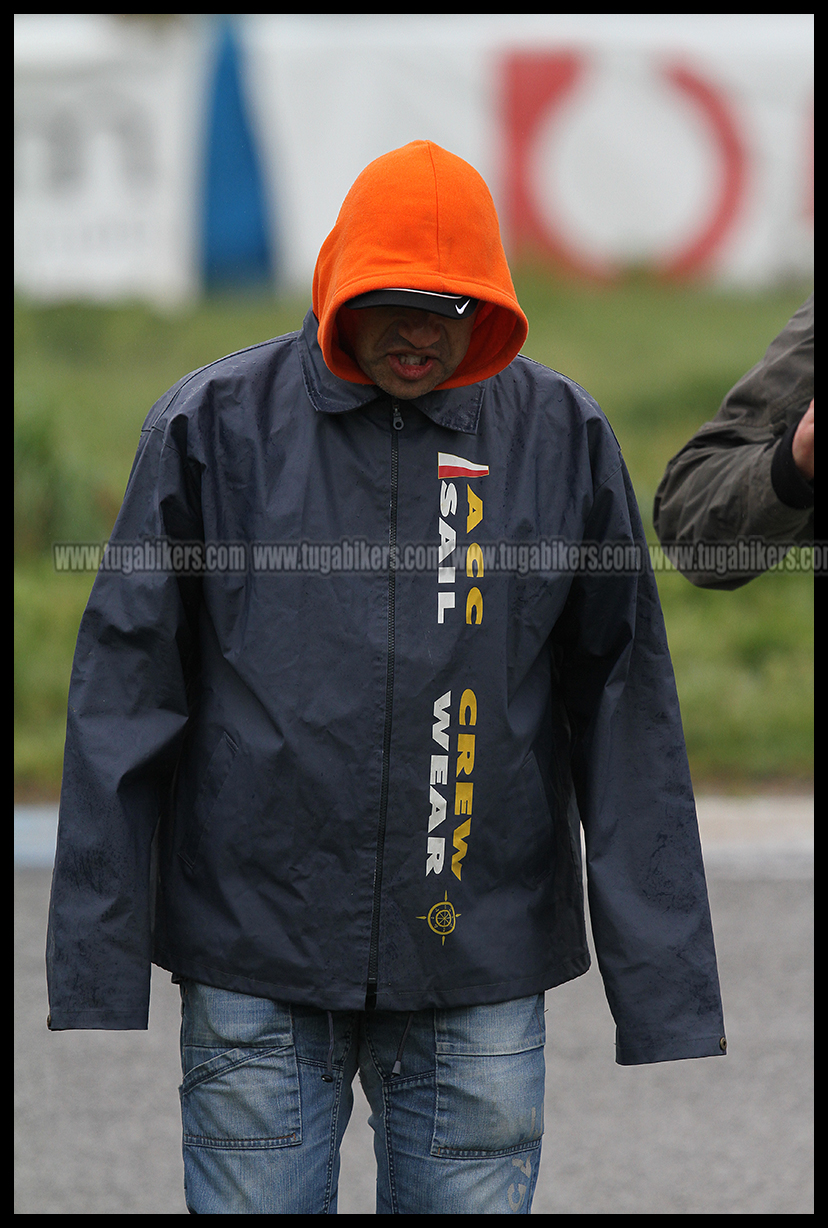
457 409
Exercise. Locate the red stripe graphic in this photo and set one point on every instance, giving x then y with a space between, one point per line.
449 466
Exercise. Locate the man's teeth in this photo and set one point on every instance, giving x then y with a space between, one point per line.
412 360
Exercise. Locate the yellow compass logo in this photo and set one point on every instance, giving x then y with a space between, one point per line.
441 918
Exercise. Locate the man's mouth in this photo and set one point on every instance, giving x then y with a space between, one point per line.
411 367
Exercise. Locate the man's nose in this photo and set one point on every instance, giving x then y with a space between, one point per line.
419 328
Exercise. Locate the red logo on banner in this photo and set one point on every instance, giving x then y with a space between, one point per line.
536 87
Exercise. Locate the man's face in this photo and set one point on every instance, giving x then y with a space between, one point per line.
405 351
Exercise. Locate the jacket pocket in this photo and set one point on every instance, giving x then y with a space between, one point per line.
539 843
215 778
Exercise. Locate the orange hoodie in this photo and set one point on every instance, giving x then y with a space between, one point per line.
420 218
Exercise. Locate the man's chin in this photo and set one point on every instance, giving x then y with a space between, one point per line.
405 387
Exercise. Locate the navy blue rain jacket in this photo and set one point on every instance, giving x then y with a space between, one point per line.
338 710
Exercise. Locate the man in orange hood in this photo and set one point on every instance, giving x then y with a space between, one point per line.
376 640
403 240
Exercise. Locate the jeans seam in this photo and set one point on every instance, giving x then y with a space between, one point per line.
333 1151
386 1114
458 1153
272 1143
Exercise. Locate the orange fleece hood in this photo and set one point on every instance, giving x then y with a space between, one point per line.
420 218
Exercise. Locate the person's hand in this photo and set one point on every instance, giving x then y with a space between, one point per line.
803 444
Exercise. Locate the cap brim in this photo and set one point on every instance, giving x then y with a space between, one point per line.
455 306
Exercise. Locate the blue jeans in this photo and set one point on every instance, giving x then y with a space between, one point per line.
267 1094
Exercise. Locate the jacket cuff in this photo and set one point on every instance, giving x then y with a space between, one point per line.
106 1021
789 485
645 1050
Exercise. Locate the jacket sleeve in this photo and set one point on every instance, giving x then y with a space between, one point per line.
735 479
645 876
128 707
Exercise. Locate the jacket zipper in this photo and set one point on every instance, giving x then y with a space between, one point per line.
373 952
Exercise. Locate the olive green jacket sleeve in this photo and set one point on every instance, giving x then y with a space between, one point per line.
735 482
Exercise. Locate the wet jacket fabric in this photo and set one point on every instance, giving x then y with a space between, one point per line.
735 480
352 768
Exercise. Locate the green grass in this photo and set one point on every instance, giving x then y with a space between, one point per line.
744 670
47 610
657 359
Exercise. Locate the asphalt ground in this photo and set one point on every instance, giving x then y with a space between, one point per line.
97 1116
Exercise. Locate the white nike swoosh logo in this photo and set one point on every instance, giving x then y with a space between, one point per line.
462 307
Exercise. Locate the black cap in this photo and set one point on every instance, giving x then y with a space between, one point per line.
455 306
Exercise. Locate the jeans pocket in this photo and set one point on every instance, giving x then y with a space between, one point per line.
242 1098
241 1077
490 1079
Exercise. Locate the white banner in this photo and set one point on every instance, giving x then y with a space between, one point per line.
156 157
